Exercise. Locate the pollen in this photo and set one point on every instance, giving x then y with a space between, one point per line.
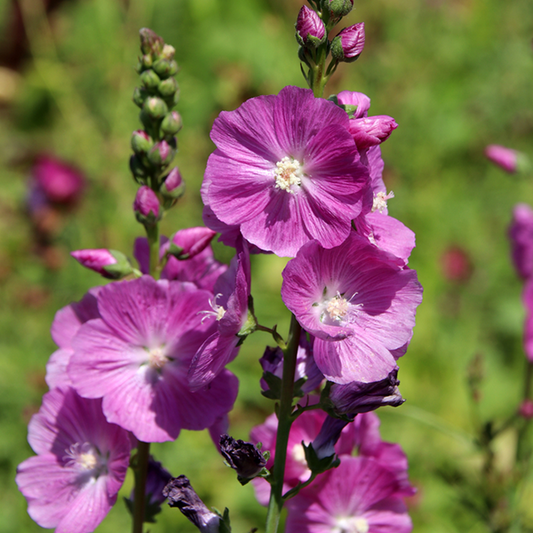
288 173
157 358
337 307
84 458
351 524
380 201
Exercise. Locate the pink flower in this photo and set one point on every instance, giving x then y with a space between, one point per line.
286 170
189 242
137 355
505 158
360 495
348 45
358 302
521 236
81 464
310 29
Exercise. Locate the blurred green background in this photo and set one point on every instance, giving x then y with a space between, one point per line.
455 74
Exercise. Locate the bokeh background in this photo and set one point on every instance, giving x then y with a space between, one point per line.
455 74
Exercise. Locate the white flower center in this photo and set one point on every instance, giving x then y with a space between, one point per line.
157 358
380 201
288 173
85 458
337 307
217 310
351 524
298 454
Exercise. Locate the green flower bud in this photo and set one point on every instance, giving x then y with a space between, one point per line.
161 154
139 96
173 68
150 79
141 142
155 108
173 187
146 61
168 52
151 43
168 87
138 169
162 67
171 124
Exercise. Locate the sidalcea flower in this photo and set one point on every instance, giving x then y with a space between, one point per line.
358 303
137 355
66 324
521 237
349 43
230 309
180 494
360 496
108 263
81 464
310 30
286 171
505 158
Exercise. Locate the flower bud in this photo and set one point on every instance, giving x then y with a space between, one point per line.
146 206
172 123
324 443
150 79
173 187
521 237
243 457
141 142
505 158
180 494
349 43
370 131
189 242
151 43
138 169
110 264
146 61
155 108
140 94
526 409
340 8
161 154
168 52
162 67
310 30
167 87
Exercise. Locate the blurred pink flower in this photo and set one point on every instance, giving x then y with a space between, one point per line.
505 158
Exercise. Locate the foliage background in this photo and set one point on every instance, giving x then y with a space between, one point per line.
456 75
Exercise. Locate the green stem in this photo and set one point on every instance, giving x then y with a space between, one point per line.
141 472
275 504
521 446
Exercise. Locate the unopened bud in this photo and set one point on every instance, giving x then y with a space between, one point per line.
146 206
140 94
370 131
167 87
526 409
151 43
340 8
155 108
172 123
161 154
189 242
173 187
349 43
110 264
146 61
505 158
168 52
310 30
163 68
141 142
150 79
138 169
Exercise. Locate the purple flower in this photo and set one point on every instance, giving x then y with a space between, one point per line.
188 243
286 170
180 494
349 43
505 158
371 131
359 304
137 355
81 464
66 324
60 183
359 496
527 298
310 29
521 236
230 308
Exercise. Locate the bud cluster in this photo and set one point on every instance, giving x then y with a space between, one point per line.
155 146
312 29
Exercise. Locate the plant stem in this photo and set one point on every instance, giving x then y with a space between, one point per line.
522 451
141 471
275 504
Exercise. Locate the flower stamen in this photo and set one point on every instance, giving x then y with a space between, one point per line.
380 201
288 173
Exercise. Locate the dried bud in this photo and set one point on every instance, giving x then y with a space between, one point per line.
243 457
371 131
172 123
161 154
146 206
141 142
150 80
155 108
108 263
180 494
151 43
173 187
189 242
505 158
340 8
349 43
358 397
310 30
